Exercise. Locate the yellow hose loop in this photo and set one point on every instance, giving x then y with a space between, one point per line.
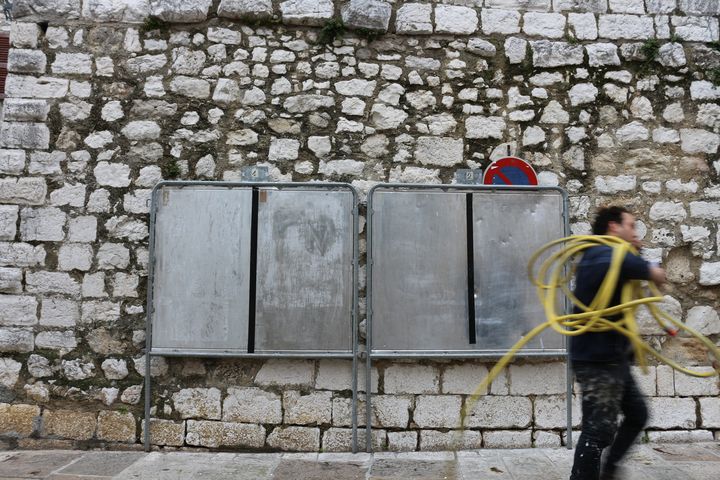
553 278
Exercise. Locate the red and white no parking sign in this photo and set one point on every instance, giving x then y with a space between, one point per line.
510 171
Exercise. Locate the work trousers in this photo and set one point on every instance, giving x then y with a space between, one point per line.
608 389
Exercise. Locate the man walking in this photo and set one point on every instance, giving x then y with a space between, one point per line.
601 360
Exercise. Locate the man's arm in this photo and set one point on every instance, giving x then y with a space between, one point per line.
657 275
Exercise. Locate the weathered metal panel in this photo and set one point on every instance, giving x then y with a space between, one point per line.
509 226
305 271
419 271
202 254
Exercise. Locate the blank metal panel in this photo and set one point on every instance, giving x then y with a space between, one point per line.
305 271
202 258
508 228
419 271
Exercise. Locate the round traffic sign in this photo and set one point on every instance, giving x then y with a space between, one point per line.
510 171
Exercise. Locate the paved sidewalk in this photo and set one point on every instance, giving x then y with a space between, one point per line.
696 461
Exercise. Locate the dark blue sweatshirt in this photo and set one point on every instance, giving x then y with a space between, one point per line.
603 346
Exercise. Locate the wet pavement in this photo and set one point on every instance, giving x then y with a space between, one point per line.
694 461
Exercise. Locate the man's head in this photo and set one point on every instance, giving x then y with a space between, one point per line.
616 221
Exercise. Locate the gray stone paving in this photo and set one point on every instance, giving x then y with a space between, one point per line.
696 461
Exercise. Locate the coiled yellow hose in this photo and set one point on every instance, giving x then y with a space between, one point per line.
554 275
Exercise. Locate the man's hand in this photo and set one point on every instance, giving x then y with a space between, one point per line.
657 275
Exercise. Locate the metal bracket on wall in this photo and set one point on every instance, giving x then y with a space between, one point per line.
467 176
254 173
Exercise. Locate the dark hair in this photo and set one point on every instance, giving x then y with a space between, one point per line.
604 216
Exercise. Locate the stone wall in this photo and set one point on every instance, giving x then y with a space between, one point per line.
615 102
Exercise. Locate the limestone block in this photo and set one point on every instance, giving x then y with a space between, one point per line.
463 378
24 34
59 312
356 87
432 440
158 367
75 256
224 36
283 149
116 427
198 403
69 424
226 91
21 254
440 151
16 340
307 103
392 411
12 162
342 412
408 378
24 135
615 184
243 9
543 439
680 436
252 405
18 310
18 86
665 135
190 87
132 11
72 64
630 27
583 25
165 432
23 191
455 20
601 54
18 420
704 90
540 379
312 409
404 441
307 12
704 319
547 54
499 412
341 167
384 117
286 372
582 93
695 29
705 210
10 280
695 140
508 439
51 282
686 385
217 434
9 372
646 382
549 25
73 195
414 175
26 61
485 127
515 49
340 439
710 273
710 412
369 14
114 368
132 395
77 370
112 255
46 10
551 411
500 21
126 227
99 140
413 19
437 411
297 439
141 130
180 11
661 6
665 381
670 413
668 211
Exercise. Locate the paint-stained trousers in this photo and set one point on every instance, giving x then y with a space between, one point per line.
608 389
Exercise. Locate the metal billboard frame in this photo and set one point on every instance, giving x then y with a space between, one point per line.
459 188
353 353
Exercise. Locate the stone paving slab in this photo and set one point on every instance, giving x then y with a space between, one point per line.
695 461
